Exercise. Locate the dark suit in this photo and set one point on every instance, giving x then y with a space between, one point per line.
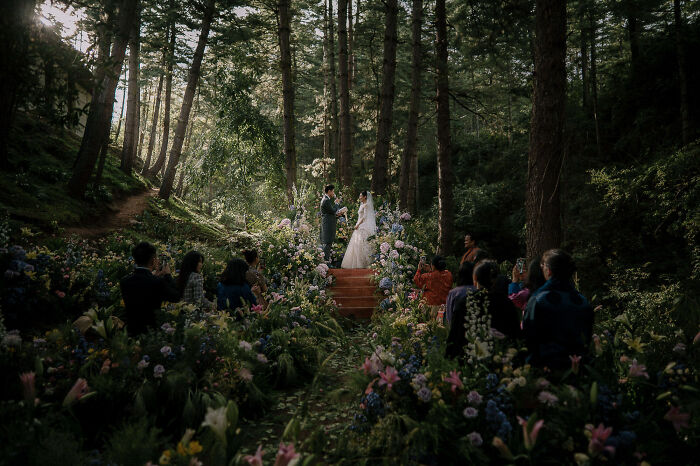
328 225
143 294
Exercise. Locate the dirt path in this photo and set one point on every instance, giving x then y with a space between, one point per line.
123 213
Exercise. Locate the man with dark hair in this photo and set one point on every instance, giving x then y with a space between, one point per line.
143 291
472 250
558 320
329 215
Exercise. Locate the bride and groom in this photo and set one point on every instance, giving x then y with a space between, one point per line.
359 251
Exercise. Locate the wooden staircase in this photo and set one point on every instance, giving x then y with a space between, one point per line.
354 292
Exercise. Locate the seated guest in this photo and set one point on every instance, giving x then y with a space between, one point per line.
144 292
435 280
190 282
233 291
471 250
520 292
457 295
504 315
558 320
254 275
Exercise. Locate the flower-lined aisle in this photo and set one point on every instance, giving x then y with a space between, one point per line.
633 400
179 394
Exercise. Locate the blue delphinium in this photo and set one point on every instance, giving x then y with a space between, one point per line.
498 421
385 283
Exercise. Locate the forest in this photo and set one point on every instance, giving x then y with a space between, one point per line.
503 134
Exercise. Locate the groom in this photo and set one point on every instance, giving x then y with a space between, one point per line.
329 215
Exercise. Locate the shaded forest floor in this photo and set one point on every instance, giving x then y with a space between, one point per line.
323 408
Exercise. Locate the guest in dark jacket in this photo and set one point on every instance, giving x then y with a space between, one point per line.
233 291
144 292
558 320
457 295
504 315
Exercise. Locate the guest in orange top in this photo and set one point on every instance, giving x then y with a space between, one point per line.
472 250
436 281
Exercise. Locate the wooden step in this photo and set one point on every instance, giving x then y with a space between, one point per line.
353 290
356 301
362 313
343 282
351 272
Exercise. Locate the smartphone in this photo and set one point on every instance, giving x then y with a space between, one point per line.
163 260
520 264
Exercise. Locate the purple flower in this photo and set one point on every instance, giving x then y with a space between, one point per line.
158 371
166 350
470 413
244 345
547 398
142 364
424 394
475 439
384 247
474 398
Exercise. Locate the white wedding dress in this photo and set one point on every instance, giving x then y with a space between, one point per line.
359 252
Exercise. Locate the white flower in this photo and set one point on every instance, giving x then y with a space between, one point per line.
244 345
216 420
261 358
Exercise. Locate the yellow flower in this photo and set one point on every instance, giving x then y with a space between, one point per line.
635 344
165 457
195 447
181 449
31 255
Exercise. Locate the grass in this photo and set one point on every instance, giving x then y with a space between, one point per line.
34 190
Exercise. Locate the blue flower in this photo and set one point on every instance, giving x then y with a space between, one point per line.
385 283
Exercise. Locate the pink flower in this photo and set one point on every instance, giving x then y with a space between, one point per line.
105 366
367 367
599 436
530 437
245 374
547 398
502 448
28 380
285 454
60 294
257 308
696 338
575 362
678 419
255 460
454 380
389 377
80 388
638 370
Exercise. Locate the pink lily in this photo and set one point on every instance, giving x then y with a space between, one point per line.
638 370
285 454
80 388
696 338
389 377
454 380
255 460
28 380
678 419
575 362
530 437
368 367
599 436
370 386
257 308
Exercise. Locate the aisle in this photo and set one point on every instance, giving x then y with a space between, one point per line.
330 404
354 292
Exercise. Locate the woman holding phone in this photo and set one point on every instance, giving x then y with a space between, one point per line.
524 284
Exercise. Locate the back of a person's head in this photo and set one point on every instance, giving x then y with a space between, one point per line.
500 286
535 277
234 273
439 263
189 265
464 275
250 255
143 253
560 264
486 273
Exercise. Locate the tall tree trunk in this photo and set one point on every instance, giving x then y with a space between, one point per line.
351 41
335 124
380 176
16 20
143 124
583 26
99 116
546 129
326 87
682 76
345 131
186 151
154 127
594 73
133 111
290 153
444 155
192 78
121 114
407 198
160 161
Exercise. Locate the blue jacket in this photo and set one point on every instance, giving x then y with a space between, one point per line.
233 296
558 323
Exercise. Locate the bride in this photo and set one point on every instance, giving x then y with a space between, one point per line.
358 254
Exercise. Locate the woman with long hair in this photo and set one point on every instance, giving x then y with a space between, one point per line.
233 291
190 282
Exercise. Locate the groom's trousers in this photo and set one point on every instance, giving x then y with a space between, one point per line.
327 251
